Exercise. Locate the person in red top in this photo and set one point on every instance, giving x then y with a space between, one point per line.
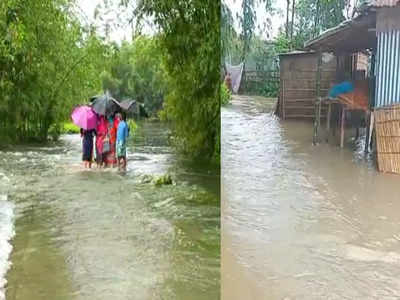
101 135
110 157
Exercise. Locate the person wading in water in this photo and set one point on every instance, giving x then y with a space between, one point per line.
122 136
87 146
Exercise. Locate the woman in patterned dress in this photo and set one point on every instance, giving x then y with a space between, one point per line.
110 157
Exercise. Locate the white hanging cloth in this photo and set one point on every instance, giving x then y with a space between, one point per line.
236 75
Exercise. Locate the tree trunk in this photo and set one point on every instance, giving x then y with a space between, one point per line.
287 18
292 24
316 21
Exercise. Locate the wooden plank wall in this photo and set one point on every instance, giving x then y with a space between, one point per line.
298 85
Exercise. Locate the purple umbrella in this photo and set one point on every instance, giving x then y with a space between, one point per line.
84 117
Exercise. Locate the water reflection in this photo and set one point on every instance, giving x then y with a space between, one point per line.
106 235
303 222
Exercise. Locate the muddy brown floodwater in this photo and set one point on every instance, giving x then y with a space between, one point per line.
105 235
302 221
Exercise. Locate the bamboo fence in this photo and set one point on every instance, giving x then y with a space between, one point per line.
387 126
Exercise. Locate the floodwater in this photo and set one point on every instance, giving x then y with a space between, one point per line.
79 234
302 221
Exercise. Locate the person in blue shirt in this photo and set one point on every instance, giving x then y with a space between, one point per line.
122 136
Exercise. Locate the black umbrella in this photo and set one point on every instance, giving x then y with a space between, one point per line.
105 105
128 105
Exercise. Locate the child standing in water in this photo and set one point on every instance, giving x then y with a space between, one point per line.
87 147
122 136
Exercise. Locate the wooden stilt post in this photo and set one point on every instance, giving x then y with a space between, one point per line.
317 117
315 134
328 121
283 100
317 120
335 124
367 140
371 104
343 118
319 111
371 128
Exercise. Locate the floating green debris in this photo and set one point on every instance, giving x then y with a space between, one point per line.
163 180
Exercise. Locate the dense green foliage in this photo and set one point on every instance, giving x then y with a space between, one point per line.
247 19
58 128
137 73
228 33
133 127
190 37
225 94
48 63
311 17
69 128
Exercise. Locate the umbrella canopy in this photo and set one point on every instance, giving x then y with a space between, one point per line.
105 105
84 117
128 105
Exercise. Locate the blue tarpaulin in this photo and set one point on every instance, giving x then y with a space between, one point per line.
341 88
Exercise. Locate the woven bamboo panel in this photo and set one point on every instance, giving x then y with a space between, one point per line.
387 125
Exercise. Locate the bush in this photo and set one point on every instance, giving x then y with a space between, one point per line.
132 127
55 132
225 94
70 128
270 89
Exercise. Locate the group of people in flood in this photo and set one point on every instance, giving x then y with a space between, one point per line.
111 135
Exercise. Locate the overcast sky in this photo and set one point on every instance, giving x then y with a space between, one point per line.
277 19
88 8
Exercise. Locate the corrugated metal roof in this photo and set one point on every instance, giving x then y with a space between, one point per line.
296 52
349 36
380 3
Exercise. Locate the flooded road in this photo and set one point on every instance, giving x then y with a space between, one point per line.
299 221
108 235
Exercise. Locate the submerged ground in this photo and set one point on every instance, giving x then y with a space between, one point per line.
302 221
108 235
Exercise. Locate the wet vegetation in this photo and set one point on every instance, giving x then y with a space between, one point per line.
191 41
225 94
51 61
48 63
136 72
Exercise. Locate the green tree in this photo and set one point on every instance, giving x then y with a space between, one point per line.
137 73
314 16
228 33
248 20
48 63
190 39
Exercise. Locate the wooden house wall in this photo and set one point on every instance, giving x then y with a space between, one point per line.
298 84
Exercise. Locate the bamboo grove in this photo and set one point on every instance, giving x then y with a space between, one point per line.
48 63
